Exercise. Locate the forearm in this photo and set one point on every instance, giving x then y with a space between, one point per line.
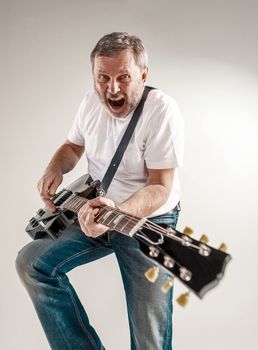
141 204
63 161
145 201
65 158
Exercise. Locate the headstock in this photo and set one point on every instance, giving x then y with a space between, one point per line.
197 265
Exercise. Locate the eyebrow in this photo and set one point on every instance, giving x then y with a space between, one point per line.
120 72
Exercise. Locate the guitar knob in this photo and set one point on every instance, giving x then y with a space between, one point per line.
183 299
167 285
154 252
33 222
185 274
204 250
223 248
168 262
204 239
41 212
188 231
186 241
152 274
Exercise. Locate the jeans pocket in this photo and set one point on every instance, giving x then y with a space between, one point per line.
168 219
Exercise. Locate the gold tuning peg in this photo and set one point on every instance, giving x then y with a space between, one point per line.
204 239
183 299
167 285
223 247
188 231
152 274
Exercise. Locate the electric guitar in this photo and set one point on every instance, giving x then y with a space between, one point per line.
197 265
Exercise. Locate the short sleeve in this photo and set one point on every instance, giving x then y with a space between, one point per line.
165 138
75 134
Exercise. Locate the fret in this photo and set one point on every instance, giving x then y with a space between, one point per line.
111 218
78 204
112 221
105 217
118 218
129 225
108 216
75 204
122 224
98 217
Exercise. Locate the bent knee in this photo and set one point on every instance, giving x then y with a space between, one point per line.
25 261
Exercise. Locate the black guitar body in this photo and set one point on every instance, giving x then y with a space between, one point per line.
53 224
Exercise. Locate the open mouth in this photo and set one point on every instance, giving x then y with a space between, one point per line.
116 104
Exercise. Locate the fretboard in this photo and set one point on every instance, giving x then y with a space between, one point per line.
111 217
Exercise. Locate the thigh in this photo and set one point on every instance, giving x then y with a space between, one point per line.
71 249
133 263
149 309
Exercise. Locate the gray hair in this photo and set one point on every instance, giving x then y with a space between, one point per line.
114 43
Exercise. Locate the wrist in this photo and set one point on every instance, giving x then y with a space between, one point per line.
53 169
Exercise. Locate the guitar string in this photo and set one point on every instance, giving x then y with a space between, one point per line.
116 210
136 220
148 224
162 252
156 228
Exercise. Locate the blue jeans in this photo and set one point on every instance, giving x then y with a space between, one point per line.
42 266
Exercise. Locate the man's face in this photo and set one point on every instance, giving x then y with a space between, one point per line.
119 82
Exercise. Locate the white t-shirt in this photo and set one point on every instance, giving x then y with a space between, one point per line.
157 143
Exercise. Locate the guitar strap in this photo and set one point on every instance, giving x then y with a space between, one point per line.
113 166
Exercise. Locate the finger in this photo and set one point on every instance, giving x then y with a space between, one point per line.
98 230
92 225
84 227
53 187
46 196
98 201
44 189
90 217
83 214
95 212
88 223
49 204
84 210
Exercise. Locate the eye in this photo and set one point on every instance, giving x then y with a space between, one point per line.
124 78
103 78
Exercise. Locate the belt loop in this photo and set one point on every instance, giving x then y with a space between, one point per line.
178 206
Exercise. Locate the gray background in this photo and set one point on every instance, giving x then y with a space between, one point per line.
204 54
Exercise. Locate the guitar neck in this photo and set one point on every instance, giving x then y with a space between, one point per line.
111 217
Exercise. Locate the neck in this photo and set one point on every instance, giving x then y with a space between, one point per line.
111 217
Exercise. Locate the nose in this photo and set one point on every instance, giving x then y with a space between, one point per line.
113 86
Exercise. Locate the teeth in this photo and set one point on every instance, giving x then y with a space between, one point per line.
116 103
115 100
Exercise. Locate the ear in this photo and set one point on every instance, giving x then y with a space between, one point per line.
145 74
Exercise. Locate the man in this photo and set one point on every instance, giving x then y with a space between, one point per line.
145 185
